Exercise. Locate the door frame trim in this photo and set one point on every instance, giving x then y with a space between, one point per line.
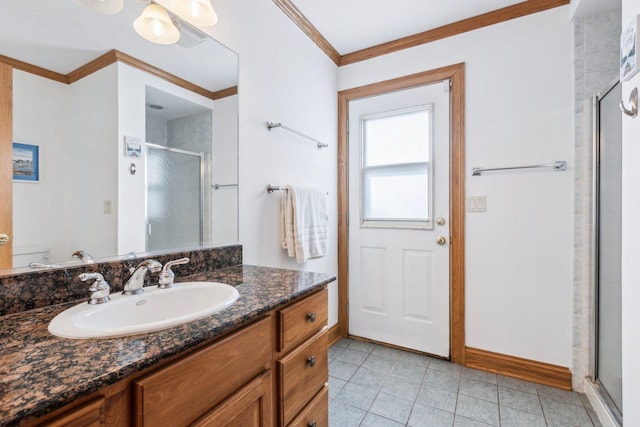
456 73
6 160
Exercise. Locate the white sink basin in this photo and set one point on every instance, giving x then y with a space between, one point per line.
152 310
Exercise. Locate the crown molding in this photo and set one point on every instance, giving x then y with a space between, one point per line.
307 27
490 18
109 58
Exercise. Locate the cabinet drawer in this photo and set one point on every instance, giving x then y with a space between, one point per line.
302 373
301 320
191 387
316 414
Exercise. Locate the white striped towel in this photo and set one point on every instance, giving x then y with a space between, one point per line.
304 223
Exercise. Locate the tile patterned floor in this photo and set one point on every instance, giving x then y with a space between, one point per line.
375 386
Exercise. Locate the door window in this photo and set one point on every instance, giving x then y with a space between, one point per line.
397 168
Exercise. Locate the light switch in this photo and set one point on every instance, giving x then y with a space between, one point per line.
477 204
107 207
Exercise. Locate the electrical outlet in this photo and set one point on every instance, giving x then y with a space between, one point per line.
477 204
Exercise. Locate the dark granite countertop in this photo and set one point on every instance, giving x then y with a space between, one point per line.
40 372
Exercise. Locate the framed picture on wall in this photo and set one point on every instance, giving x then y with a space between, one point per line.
26 162
132 147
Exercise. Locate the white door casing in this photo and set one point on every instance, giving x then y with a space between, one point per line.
399 277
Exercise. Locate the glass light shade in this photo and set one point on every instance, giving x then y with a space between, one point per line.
106 7
197 12
155 25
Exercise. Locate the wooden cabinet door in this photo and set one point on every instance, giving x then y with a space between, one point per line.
6 163
90 414
188 388
248 407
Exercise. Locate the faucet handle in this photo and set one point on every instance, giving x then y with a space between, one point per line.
99 288
167 276
83 256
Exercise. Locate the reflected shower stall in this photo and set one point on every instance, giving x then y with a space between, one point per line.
174 198
607 347
179 152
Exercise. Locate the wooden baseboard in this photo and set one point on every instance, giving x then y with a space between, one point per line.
516 367
334 334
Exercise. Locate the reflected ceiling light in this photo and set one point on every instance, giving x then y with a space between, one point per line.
156 26
199 13
106 7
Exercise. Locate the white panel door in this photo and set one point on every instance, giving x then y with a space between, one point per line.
398 209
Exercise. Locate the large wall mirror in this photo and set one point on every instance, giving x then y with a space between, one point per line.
136 142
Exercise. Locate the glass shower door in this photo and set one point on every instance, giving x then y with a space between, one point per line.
608 156
174 198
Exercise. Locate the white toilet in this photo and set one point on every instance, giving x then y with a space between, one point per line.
24 255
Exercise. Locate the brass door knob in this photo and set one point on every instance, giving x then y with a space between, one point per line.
441 221
441 240
4 239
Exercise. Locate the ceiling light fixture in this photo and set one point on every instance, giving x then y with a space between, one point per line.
159 22
106 7
199 13
156 26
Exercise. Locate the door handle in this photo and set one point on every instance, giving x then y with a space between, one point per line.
441 240
4 239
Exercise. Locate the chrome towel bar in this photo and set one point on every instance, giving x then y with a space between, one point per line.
559 165
219 186
272 188
320 145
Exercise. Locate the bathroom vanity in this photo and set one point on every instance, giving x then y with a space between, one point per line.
261 362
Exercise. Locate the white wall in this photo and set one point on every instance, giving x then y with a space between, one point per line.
284 77
93 163
519 106
225 170
630 239
41 210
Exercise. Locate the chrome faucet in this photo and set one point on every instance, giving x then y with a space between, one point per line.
99 288
134 284
166 275
83 256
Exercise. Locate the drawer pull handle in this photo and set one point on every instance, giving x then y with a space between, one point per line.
311 424
311 317
311 361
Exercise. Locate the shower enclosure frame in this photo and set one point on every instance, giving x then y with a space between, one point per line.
599 388
202 179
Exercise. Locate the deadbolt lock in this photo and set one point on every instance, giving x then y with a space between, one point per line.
440 221
4 239
441 240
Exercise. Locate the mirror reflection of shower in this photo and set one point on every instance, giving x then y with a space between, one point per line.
184 206
607 373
